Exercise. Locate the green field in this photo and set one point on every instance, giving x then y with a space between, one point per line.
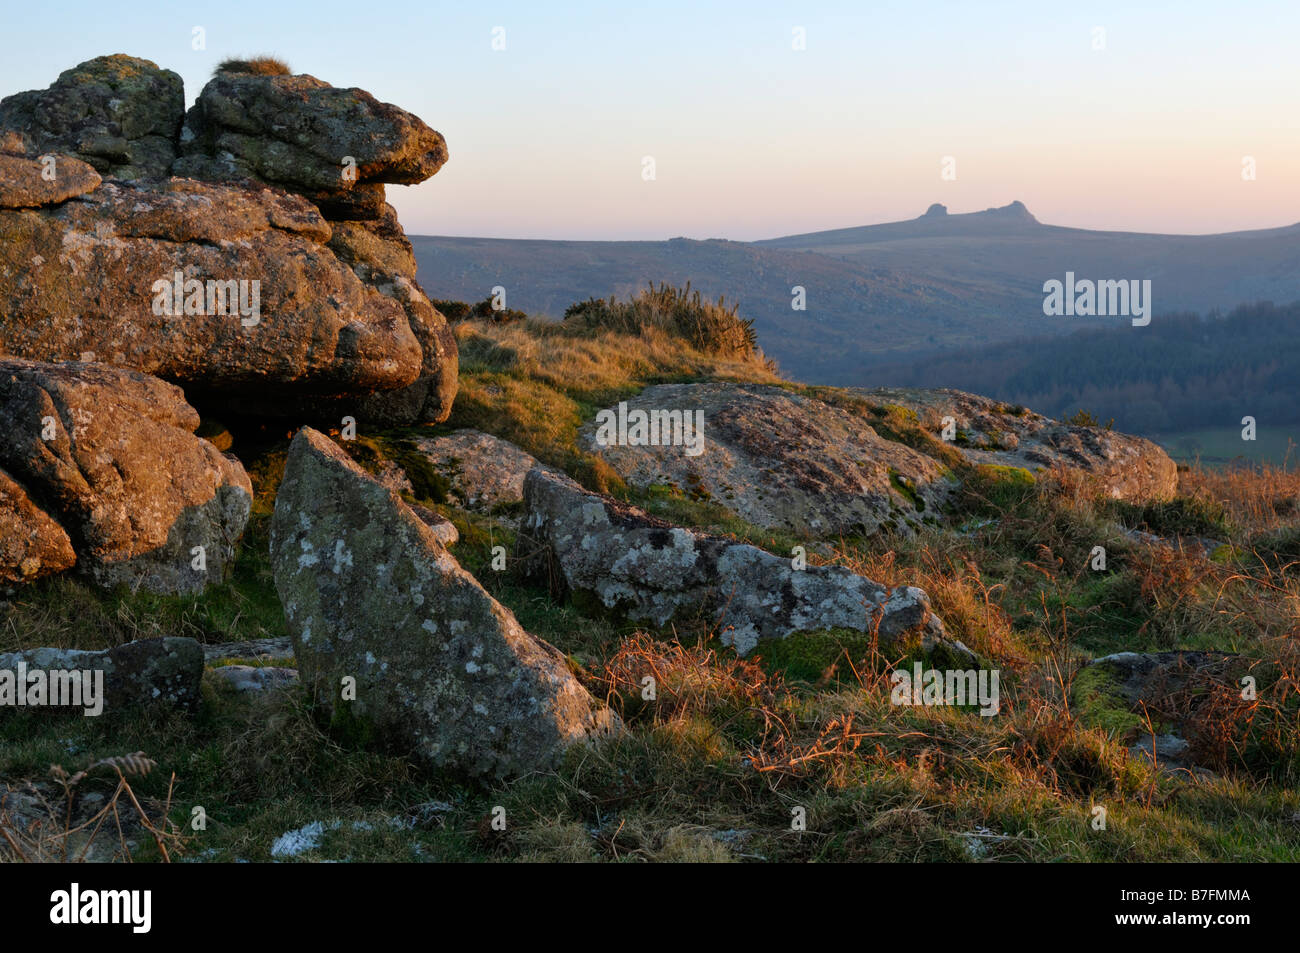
1215 446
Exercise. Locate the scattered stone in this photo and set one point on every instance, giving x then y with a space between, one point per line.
1199 546
440 667
257 679
654 571
111 456
443 529
259 649
121 114
137 674
1134 673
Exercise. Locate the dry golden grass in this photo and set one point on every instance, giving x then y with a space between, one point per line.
257 65
1257 500
594 363
60 836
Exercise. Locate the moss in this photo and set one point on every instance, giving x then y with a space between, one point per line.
1098 703
814 656
426 482
253 662
904 489
995 488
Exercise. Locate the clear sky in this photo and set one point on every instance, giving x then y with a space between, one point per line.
752 138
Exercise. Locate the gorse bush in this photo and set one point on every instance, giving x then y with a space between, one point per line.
457 311
258 65
710 327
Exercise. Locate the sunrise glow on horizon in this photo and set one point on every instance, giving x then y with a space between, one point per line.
752 137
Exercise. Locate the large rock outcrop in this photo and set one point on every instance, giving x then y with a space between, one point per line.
278 311
338 146
779 460
80 280
816 468
105 461
121 114
440 667
653 571
992 432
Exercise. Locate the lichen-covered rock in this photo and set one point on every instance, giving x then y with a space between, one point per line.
24 183
111 455
440 667
992 432
32 543
483 472
654 571
779 460
335 145
80 278
277 647
137 674
255 679
381 255
272 312
1134 675
121 114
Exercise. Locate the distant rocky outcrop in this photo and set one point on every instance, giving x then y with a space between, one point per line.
653 571
99 467
778 459
991 432
262 266
440 667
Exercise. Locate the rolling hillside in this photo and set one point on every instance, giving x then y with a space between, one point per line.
881 294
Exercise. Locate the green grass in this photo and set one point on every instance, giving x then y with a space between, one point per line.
712 770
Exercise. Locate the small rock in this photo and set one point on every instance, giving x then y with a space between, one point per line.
483 471
137 674
253 678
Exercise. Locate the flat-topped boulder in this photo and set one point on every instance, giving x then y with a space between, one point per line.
988 431
31 183
778 459
483 472
262 309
